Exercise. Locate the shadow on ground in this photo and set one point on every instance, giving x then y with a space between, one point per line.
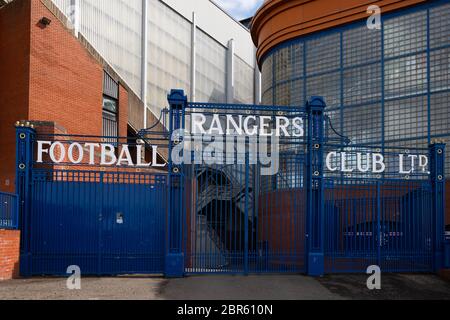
393 287
257 287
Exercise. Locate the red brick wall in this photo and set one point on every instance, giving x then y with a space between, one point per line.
123 112
66 82
46 75
9 254
14 71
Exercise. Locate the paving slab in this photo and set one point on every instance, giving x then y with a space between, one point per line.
228 287
258 287
91 289
393 287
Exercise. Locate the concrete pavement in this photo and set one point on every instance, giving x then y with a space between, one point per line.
225 287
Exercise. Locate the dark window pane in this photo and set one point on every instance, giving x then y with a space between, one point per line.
440 26
406 76
110 105
405 34
440 115
361 45
406 118
363 124
323 54
362 84
327 86
440 69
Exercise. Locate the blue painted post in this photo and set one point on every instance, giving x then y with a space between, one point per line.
315 187
174 264
379 237
247 177
437 169
16 215
25 137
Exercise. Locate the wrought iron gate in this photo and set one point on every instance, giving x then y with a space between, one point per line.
238 220
296 197
303 217
104 220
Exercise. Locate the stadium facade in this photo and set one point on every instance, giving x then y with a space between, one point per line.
386 86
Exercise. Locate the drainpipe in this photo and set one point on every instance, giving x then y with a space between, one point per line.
74 16
192 94
144 65
257 84
230 72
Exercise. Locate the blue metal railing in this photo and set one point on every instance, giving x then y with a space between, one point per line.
9 211
447 250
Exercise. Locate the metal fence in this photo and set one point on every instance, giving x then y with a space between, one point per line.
328 206
81 206
447 251
315 215
9 211
380 220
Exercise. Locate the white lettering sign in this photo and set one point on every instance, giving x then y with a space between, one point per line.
76 153
374 163
249 126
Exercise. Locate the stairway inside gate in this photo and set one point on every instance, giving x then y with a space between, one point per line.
223 205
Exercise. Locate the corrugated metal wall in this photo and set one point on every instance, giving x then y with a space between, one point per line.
244 84
114 28
169 54
211 69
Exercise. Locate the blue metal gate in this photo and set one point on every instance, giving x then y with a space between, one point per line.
292 196
304 217
240 221
385 221
106 221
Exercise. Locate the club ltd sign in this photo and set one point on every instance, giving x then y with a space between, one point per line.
375 163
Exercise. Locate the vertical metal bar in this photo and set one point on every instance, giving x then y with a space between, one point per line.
257 84
25 136
437 168
305 74
144 62
379 242
383 106
428 78
16 216
246 248
182 202
174 262
341 73
100 220
75 16
230 71
315 190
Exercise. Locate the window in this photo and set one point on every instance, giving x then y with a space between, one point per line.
110 128
110 109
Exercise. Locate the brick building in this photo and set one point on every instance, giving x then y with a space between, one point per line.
60 84
79 78
52 78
